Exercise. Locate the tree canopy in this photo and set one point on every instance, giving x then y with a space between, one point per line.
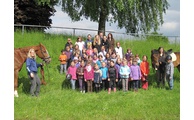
133 15
34 12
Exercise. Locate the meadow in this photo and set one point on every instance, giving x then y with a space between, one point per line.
58 102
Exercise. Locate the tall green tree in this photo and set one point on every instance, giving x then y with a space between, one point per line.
133 15
34 12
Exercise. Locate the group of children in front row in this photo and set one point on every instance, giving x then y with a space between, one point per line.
95 74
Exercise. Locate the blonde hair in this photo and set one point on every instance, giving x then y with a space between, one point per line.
29 55
98 40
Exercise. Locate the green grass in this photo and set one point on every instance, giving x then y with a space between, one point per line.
58 102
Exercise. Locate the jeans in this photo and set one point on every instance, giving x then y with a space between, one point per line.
73 84
81 84
125 84
135 84
170 82
35 85
63 68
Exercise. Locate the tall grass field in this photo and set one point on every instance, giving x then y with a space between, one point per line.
58 102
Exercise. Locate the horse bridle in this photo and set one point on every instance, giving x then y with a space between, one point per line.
45 58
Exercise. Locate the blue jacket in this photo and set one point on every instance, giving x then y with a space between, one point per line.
31 65
104 72
124 71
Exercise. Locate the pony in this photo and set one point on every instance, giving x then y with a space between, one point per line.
20 56
155 56
161 77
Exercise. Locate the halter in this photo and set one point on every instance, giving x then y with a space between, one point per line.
44 59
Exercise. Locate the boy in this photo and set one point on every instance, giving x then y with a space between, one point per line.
169 71
63 61
112 76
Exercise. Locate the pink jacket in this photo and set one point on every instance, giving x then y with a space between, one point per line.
88 72
72 70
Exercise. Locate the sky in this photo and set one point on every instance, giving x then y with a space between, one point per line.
171 26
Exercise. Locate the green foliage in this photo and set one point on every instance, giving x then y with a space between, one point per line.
157 37
133 15
33 12
58 102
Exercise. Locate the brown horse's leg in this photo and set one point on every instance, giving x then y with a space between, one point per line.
15 83
178 67
42 73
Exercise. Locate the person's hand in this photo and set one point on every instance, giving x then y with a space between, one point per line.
31 75
42 64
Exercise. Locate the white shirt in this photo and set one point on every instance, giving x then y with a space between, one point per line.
119 51
81 45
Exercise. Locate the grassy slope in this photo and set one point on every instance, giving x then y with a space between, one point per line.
56 103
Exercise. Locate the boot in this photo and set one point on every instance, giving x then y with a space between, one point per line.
109 89
115 89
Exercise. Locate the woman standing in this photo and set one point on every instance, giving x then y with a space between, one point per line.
32 68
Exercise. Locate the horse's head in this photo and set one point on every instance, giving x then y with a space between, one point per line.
155 58
43 53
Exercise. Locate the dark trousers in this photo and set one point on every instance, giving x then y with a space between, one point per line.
160 78
104 84
135 84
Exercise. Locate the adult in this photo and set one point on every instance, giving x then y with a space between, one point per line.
161 69
105 43
101 35
111 41
68 43
97 43
32 69
88 41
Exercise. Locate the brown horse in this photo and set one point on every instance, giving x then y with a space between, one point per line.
20 56
155 56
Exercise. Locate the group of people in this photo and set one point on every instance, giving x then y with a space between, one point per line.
100 64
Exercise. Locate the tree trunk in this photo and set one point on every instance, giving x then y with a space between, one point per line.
102 19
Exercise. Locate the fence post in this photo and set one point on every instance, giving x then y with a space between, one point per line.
73 31
22 29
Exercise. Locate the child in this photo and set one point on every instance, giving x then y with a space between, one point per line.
95 58
72 70
104 70
89 50
100 60
135 75
97 78
63 61
80 76
114 57
118 66
112 76
144 67
124 74
75 59
128 54
69 55
89 76
138 59
138 63
169 71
